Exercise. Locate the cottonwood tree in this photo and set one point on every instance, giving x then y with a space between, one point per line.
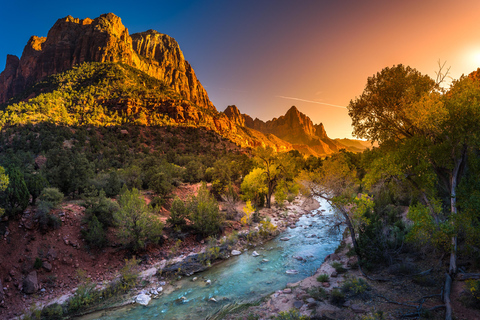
336 182
403 108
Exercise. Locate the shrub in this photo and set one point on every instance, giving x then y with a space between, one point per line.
97 204
266 228
337 297
38 263
323 277
317 293
136 222
355 286
291 314
473 293
178 214
338 267
129 273
95 234
51 195
53 311
205 215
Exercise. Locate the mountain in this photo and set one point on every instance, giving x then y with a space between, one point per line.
72 41
297 129
93 72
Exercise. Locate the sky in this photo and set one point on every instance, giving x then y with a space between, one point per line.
266 56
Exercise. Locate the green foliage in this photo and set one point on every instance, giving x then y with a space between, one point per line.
317 293
129 273
135 221
337 297
254 187
94 234
338 266
53 311
52 196
355 286
38 263
85 295
98 205
291 314
267 229
16 197
178 214
323 278
68 170
36 182
205 215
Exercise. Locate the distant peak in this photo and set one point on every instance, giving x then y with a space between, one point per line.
293 109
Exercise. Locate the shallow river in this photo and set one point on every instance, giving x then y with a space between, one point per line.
245 278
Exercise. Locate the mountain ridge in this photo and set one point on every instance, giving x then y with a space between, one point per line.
72 42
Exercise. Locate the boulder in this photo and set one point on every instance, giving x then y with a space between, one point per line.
291 271
30 283
298 304
236 253
285 239
255 254
143 299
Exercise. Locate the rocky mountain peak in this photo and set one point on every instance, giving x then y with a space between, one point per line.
72 41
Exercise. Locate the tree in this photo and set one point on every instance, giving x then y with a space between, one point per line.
276 167
205 215
35 184
135 221
254 187
178 214
403 108
336 182
16 196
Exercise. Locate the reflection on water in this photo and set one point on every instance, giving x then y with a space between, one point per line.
245 278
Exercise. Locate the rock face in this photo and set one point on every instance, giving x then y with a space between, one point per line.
294 127
72 41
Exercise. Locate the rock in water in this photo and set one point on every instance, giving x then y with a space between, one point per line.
291 271
143 299
285 239
236 252
255 254
212 299
208 282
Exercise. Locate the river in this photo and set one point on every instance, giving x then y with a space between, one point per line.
244 278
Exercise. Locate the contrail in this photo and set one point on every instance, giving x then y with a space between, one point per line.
310 101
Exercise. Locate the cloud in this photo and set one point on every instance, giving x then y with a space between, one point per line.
310 101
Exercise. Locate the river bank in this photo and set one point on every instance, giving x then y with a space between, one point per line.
149 268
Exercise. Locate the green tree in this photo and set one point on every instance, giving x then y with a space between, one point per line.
205 215
35 184
135 221
254 187
402 108
178 214
16 197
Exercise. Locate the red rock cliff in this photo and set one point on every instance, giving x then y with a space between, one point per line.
105 39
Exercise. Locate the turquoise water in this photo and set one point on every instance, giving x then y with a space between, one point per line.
245 278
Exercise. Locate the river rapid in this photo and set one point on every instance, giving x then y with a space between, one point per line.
245 278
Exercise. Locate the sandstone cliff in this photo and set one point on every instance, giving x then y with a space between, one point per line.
294 127
72 41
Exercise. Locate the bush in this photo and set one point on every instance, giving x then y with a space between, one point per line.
53 312
355 286
38 263
317 293
337 297
473 292
135 221
129 273
51 195
178 215
291 314
95 235
97 204
338 267
323 278
205 215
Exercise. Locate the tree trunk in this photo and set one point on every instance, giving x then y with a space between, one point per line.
353 235
453 212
